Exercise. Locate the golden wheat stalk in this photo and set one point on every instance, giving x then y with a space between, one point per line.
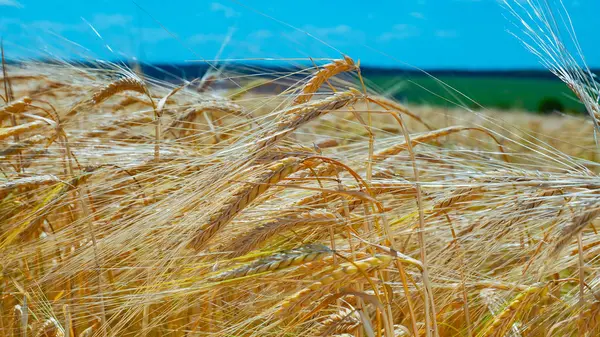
16 107
460 195
570 231
50 328
504 320
276 262
242 198
344 320
127 83
21 129
26 184
254 239
294 117
341 272
316 81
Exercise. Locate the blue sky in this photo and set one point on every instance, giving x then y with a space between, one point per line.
422 33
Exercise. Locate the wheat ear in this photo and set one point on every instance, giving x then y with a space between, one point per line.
130 100
88 332
21 129
332 275
27 183
254 239
343 321
457 196
124 84
330 169
501 322
219 106
294 117
329 70
578 223
242 198
276 262
16 107
50 328
521 212
226 107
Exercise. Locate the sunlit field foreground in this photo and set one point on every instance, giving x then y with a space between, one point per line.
135 207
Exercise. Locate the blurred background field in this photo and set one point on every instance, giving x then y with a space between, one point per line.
535 91
530 91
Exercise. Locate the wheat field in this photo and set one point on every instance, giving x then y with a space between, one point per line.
131 206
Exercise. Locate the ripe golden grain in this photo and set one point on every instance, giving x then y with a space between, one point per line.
344 270
316 81
242 198
21 129
276 262
294 117
257 236
460 195
503 321
343 321
570 231
25 184
16 107
121 85
50 328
